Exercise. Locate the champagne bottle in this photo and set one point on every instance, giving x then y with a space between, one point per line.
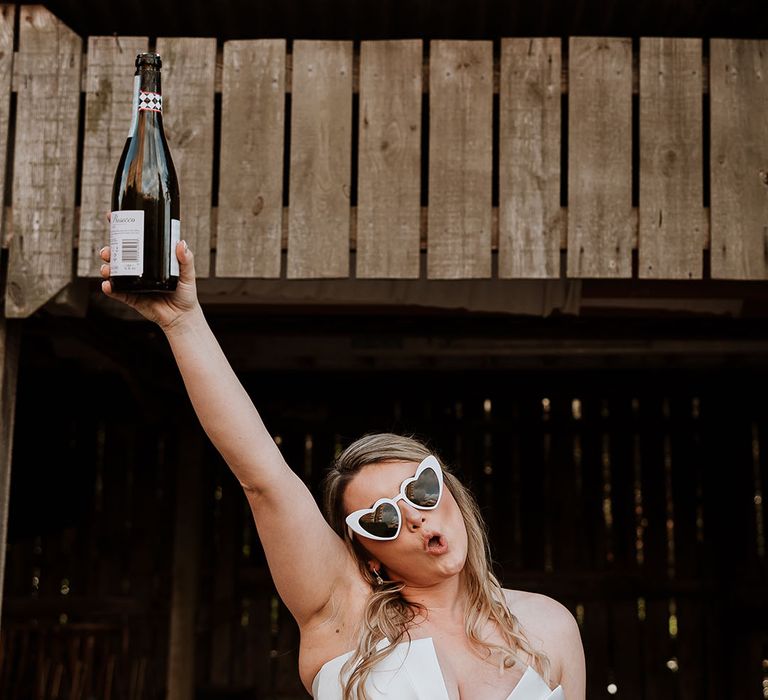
145 224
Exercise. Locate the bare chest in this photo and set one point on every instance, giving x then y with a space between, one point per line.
467 674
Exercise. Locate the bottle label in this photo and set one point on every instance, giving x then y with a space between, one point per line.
150 102
126 240
175 238
135 106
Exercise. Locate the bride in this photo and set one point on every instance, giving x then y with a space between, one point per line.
393 590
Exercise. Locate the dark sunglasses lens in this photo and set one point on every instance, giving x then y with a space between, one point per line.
383 522
425 490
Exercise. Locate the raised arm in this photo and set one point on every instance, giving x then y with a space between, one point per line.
295 536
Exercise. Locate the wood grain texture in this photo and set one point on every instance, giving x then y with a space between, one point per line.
7 17
108 103
530 221
460 159
389 175
671 206
739 159
188 102
600 157
249 225
321 155
47 76
10 335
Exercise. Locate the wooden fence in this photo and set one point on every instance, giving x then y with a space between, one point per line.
638 502
483 165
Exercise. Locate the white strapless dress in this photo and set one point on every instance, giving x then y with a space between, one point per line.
413 673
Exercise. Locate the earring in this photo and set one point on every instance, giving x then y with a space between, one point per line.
379 580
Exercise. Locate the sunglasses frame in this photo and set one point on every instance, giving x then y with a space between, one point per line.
353 519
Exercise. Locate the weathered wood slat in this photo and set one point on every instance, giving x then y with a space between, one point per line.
460 159
47 75
186 565
600 157
108 102
389 179
188 103
671 209
530 218
7 17
226 521
251 172
739 159
10 335
321 153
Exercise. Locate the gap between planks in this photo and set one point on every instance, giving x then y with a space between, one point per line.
8 232
425 72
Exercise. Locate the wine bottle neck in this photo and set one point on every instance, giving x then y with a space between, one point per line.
149 80
150 98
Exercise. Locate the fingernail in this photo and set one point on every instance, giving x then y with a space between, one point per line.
102 250
186 247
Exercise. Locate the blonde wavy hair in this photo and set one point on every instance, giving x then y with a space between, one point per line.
387 613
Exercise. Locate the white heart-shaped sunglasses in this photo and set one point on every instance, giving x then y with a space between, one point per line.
383 521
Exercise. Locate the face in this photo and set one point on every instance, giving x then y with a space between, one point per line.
432 544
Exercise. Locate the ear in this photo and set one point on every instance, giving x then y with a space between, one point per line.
374 565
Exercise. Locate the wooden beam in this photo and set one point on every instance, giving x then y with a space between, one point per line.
460 159
389 178
250 221
10 333
186 564
188 105
530 222
47 77
321 160
671 208
600 157
739 159
108 103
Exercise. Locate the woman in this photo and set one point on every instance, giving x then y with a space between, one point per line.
393 594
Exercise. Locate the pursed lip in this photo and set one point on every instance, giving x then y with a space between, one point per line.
439 547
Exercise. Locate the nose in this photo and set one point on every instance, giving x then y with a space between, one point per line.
412 517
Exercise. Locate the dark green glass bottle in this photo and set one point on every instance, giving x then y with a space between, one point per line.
145 223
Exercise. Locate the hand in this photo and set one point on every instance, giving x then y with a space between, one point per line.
161 308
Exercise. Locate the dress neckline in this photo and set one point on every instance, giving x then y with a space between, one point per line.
529 670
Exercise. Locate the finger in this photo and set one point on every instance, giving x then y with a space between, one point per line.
106 287
109 216
186 262
105 253
104 270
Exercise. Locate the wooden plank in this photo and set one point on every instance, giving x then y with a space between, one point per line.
671 213
47 75
321 153
7 17
460 159
626 649
10 335
389 179
530 217
739 157
108 102
188 103
600 157
251 172
186 565
228 499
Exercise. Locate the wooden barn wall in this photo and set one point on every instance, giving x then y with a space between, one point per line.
643 162
636 499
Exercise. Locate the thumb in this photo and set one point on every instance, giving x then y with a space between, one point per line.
186 262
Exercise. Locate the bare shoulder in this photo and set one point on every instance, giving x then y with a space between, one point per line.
551 626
